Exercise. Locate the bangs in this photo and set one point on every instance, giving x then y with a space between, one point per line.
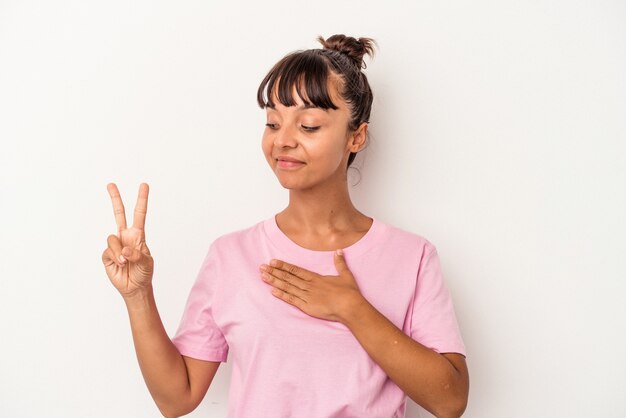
307 71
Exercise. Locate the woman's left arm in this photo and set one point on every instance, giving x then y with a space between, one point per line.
437 382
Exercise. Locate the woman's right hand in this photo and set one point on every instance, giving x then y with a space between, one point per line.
127 259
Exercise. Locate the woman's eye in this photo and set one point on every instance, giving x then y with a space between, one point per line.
310 128
271 125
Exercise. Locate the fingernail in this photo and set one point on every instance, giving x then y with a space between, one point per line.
122 259
339 251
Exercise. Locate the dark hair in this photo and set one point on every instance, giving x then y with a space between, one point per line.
310 69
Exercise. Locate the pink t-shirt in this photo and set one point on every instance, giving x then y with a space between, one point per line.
287 364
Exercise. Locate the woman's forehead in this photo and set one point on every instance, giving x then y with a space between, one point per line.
304 103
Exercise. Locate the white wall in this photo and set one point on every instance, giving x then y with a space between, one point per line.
498 134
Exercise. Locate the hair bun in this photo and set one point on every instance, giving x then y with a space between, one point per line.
354 48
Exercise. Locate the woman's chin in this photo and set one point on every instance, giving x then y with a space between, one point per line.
292 185
289 185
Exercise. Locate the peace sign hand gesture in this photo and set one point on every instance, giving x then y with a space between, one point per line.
127 259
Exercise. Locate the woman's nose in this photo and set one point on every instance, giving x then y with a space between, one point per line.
285 137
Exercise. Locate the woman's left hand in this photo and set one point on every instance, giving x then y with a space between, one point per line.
324 297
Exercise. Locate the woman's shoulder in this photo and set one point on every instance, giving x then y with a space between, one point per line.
405 236
239 235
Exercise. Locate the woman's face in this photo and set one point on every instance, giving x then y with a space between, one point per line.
319 140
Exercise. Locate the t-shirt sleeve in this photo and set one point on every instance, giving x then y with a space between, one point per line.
198 335
433 320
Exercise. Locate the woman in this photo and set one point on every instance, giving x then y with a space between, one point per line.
312 332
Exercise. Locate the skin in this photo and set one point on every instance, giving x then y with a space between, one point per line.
320 216
177 383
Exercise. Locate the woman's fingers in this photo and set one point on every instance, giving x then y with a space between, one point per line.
141 208
283 284
116 248
132 254
291 270
108 258
118 207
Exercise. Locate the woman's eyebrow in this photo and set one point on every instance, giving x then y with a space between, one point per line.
310 106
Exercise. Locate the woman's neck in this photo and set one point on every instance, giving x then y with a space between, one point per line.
321 212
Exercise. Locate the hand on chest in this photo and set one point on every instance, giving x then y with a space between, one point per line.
246 310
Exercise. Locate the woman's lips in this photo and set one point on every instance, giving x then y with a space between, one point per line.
289 164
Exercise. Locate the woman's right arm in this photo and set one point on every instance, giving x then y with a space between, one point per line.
177 383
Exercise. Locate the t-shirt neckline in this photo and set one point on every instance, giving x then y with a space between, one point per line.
285 244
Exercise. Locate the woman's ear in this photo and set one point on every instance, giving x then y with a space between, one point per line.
358 137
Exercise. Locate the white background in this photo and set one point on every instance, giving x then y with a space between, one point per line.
498 134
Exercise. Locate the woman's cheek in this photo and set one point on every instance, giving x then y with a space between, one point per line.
266 146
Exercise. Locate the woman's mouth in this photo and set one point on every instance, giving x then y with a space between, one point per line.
286 164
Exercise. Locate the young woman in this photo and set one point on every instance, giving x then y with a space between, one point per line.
324 311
